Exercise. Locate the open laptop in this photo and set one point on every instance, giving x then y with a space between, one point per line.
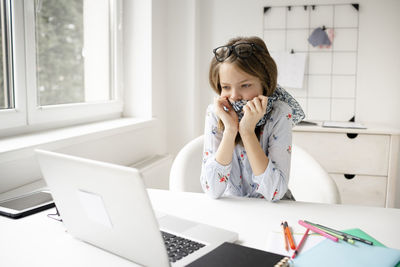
107 206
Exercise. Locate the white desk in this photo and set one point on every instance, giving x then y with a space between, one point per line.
40 241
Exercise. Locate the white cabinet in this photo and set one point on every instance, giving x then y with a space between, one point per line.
361 189
363 163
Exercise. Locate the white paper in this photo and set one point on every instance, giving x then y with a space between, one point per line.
291 67
94 207
343 124
276 243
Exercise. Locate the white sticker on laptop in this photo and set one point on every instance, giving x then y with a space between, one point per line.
94 208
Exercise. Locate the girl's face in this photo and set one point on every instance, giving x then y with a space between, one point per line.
237 84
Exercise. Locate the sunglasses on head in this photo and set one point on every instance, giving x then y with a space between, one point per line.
242 50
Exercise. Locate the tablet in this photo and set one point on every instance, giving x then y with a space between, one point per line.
27 204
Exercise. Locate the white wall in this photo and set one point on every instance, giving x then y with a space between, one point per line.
217 21
379 62
181 72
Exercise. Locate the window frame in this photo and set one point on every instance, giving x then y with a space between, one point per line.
16 116
26 113
6 51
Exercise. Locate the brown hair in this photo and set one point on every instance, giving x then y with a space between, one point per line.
260 64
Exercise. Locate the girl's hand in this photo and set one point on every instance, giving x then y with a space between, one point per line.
227 115
254 110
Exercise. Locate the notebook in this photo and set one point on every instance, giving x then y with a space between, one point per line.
364 235
331 254
107 206
229 254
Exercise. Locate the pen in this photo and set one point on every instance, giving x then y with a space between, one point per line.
289 235
316 230
337 234
284 237
359 239
341 237
345 234
301 243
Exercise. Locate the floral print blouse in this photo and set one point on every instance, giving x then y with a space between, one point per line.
237 178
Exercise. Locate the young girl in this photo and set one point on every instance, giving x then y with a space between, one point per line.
248 130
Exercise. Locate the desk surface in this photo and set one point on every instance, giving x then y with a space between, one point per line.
40 241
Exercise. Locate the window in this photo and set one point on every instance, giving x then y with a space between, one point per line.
68 71
6 91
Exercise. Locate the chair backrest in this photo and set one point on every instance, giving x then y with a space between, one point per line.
308 181
186 168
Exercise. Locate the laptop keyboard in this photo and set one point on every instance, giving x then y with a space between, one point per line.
179 247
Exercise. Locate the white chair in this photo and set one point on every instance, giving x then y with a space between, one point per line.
186 168
308 181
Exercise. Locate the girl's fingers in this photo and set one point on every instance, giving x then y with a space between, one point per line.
225 111
226 103
220 103
257 104
261 97
246 108
264 101
251 106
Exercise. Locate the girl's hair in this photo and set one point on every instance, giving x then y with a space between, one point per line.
260 64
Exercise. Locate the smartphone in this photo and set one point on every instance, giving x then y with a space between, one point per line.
25 205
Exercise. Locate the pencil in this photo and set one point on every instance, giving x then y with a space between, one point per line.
289 236
340 236
346 235
301 243
317 230
284 237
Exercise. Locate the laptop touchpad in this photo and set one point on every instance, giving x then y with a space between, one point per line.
175 224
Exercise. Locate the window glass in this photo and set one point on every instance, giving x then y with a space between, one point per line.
72 51
5 90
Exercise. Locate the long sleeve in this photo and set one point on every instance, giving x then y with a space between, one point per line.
214 176
273 183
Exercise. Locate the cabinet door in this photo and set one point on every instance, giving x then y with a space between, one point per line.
361 190
338 153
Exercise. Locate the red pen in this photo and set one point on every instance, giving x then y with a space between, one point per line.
301 243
